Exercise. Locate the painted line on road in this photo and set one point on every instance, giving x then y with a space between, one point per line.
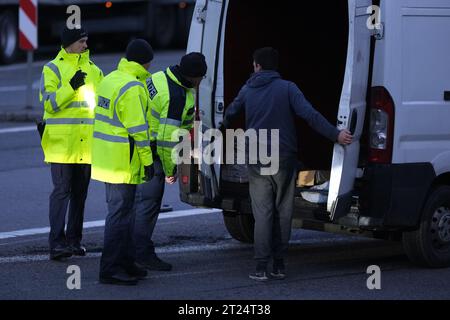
18 129
220 246
101 223
174 249
35 86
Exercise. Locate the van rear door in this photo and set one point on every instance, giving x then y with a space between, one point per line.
352 109
210 93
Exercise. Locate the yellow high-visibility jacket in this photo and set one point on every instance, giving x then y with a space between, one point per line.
172 109
121 145
69 114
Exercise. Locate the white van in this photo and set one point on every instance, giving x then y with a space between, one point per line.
390 86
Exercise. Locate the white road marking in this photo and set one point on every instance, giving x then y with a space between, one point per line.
220 246
18 129
35 86
101 223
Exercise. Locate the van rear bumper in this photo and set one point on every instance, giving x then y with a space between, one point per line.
392 196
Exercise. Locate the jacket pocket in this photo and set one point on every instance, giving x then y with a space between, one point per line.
57 139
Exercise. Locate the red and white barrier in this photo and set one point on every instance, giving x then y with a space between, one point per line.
28 20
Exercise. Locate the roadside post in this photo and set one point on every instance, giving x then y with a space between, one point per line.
28 39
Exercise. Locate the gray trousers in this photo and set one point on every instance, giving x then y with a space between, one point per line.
272 200
71 183
118 248
148 203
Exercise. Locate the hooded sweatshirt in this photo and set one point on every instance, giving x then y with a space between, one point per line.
270 103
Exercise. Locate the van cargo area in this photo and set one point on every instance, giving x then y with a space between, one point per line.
314 61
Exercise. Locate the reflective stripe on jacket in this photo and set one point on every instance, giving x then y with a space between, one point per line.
69 114
172 109
121 146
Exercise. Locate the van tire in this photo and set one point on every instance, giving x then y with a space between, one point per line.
240 226
9 37
429 246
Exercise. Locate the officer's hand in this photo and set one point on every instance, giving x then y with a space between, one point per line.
149 172
171 180
78 79
345 137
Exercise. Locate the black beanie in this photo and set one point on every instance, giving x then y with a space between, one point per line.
69 36
193 65
139 51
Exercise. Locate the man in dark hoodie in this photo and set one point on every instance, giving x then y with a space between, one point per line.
272 103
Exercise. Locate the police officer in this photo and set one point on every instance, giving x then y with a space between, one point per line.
172 108
122 158
67 94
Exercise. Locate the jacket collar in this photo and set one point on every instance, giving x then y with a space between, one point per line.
174 74
73 57
134 69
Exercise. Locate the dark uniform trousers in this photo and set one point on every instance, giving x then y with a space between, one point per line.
272 200
71 183
148 203
118 248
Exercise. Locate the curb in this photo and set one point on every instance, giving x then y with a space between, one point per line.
23 115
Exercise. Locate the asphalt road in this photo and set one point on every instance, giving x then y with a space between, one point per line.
208 264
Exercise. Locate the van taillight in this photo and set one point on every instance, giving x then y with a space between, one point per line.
381 126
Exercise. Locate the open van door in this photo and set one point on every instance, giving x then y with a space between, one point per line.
352 109
211 102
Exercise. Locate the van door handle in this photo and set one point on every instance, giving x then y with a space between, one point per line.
354 122
447 95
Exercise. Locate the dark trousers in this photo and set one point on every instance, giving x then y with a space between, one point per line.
272 200
71 183
148 203
118 248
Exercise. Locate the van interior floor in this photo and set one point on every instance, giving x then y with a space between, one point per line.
308 210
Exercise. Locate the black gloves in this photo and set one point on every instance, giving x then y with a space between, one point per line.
78 79
40 127
149 172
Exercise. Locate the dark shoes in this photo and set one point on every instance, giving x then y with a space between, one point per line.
137 272
78 250
155 264
60 252
278 271
261 272
259 276
120 279
278 274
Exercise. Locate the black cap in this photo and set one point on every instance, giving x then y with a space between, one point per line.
139 51
193 65
69 36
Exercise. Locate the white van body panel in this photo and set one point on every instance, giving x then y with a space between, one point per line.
413 63
212 85
352 104
197 27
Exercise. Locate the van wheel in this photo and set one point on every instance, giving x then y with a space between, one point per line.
429 246
9 42
240 226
